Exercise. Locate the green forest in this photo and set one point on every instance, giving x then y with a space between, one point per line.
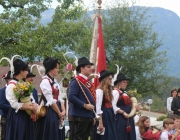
129 38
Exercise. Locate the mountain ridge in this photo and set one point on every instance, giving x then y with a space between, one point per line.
167 25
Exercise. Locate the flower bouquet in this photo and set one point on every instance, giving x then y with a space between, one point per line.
22 91
133 93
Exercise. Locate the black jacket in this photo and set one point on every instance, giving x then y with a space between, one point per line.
176 105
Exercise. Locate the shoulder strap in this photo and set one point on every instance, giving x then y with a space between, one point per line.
51 83
11 83
83 90
120 93
41 91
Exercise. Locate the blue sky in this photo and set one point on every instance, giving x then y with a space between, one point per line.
167 4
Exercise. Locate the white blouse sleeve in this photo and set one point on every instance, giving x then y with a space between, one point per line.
99 98
114 101
12 98
168 104
138 135
47 92
60 99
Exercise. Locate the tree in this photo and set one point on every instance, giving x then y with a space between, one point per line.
23 33
131 43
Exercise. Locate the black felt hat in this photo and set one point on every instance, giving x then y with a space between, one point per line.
8 75
30 74
49 62
19 65
120 77
83 62
104 74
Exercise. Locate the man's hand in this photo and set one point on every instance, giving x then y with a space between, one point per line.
94 121
89 107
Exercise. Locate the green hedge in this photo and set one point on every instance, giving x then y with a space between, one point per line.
161 118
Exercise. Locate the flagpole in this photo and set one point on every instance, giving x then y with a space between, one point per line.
97 53
99 7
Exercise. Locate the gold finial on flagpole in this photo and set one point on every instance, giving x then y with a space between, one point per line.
99 7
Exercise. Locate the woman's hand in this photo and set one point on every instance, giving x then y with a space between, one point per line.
100 127
120 111
137 108
126 115
60 121
34 107
60 116
63 113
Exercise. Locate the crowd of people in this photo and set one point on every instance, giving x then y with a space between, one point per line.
169 130
16 123
98 114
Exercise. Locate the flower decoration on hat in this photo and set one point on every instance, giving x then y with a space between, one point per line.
10 63
69 66
93 75
115 76
41 69
3 76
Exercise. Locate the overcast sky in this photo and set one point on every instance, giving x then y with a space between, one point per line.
167 4
172 5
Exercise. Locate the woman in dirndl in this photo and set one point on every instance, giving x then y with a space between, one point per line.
19 125
122 107
50 127
105 129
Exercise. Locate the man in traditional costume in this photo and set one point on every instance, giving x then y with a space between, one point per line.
81 96
4 104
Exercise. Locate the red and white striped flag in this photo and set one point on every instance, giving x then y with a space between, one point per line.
98 54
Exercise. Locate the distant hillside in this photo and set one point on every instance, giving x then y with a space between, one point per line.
167 25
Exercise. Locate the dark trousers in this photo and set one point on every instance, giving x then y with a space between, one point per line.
3 127
71 130
92 136
83 128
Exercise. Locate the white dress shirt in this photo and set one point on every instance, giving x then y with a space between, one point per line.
169 101
85 77
47 90
10 96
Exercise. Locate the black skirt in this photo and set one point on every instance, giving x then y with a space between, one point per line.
19 126
47 128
